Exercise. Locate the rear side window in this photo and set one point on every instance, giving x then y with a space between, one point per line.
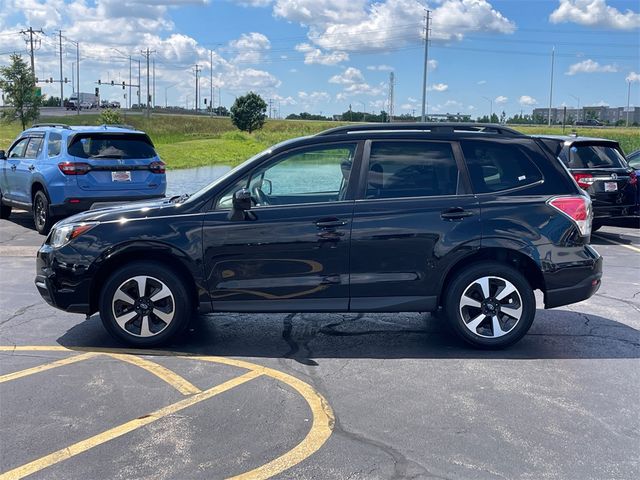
106 145
594 156
411 169
498 166
53 145
33 148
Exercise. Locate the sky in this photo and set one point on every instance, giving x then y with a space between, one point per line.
321 56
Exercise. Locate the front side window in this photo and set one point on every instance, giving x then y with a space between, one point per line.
307 175
33 148
17 151
54 144
498 166
411 169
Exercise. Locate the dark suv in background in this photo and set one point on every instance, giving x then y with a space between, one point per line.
599 167
371 218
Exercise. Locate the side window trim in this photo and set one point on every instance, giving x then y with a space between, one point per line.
364 168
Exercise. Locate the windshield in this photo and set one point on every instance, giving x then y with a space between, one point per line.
595 156
111 145
204 190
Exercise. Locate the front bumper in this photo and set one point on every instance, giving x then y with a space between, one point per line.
79 205
63 284
574 281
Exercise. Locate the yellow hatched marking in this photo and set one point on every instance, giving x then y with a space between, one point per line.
176 381
46 366
99 439
630 247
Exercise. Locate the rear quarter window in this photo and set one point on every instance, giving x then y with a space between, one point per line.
495 166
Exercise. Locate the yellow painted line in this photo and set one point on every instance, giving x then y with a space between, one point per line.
630 247
176 381
99 439
46 366
321 427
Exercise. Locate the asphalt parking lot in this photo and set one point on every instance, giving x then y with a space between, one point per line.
321 396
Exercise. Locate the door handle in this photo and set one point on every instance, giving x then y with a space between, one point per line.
330 223
13 167
455 213
31 168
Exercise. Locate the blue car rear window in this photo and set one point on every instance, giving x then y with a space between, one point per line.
110 145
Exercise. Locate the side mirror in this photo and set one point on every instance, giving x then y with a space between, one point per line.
3 155
241 205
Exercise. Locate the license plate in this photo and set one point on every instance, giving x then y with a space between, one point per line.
610 186
121 176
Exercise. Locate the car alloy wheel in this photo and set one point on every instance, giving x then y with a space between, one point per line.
143 306
490 307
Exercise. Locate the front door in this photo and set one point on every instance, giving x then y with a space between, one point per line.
291 252
416 217
10 170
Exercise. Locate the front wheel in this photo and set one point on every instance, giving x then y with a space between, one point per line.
490 305
41 216
145 304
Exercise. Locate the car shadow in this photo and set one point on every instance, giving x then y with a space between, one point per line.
22 218
308 338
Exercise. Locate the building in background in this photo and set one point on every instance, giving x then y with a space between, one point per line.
609 115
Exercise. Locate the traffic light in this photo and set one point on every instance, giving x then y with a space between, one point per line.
123 85
99 82
112 83
205 101
97 91
50 79
37 80
66 80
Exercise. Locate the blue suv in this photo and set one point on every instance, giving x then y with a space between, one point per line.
56 170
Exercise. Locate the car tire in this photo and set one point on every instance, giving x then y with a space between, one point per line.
151 319
490 305
5 210
41 216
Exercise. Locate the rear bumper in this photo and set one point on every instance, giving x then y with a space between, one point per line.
67 208
575 281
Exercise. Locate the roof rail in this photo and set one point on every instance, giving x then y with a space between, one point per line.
441 127
117 125
51 125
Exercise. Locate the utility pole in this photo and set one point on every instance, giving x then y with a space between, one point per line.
139 85
31 31
147 54
211 83
197 70
153 98
270 103
392 81
61 79
426 66
78 74
628 101
553 56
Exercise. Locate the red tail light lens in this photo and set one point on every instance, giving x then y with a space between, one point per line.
584 180
633 178
74 168
157 167
577 208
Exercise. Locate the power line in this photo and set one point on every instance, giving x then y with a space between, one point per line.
31 31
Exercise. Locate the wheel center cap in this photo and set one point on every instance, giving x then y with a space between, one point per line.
490 307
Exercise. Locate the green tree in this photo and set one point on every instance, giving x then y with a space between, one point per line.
248 112
19 87
110 117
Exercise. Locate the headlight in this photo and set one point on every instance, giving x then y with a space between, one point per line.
64 234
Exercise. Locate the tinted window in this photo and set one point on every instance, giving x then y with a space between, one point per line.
33 148
18 149
594 156
107 145
411 169
53 146
498 166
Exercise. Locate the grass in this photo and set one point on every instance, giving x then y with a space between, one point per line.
190 141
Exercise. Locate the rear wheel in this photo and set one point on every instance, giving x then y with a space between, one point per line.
144 304
41 216
5 210
490 305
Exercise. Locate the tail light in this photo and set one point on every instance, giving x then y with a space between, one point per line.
157 167
584 180
633 178
577 208
74 168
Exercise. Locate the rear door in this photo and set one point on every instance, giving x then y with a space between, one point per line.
414 217
25 168
118 161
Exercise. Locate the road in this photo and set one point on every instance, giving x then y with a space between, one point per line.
322 396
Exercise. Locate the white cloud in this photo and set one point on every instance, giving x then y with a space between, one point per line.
349 77
601 103
358 25
314 97
526 100
501 99
432 64
482 82
594 13
633 77
589 66
380 68
249 47
314 55
439 87
353 83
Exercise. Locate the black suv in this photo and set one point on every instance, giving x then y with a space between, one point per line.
599 167
370 218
